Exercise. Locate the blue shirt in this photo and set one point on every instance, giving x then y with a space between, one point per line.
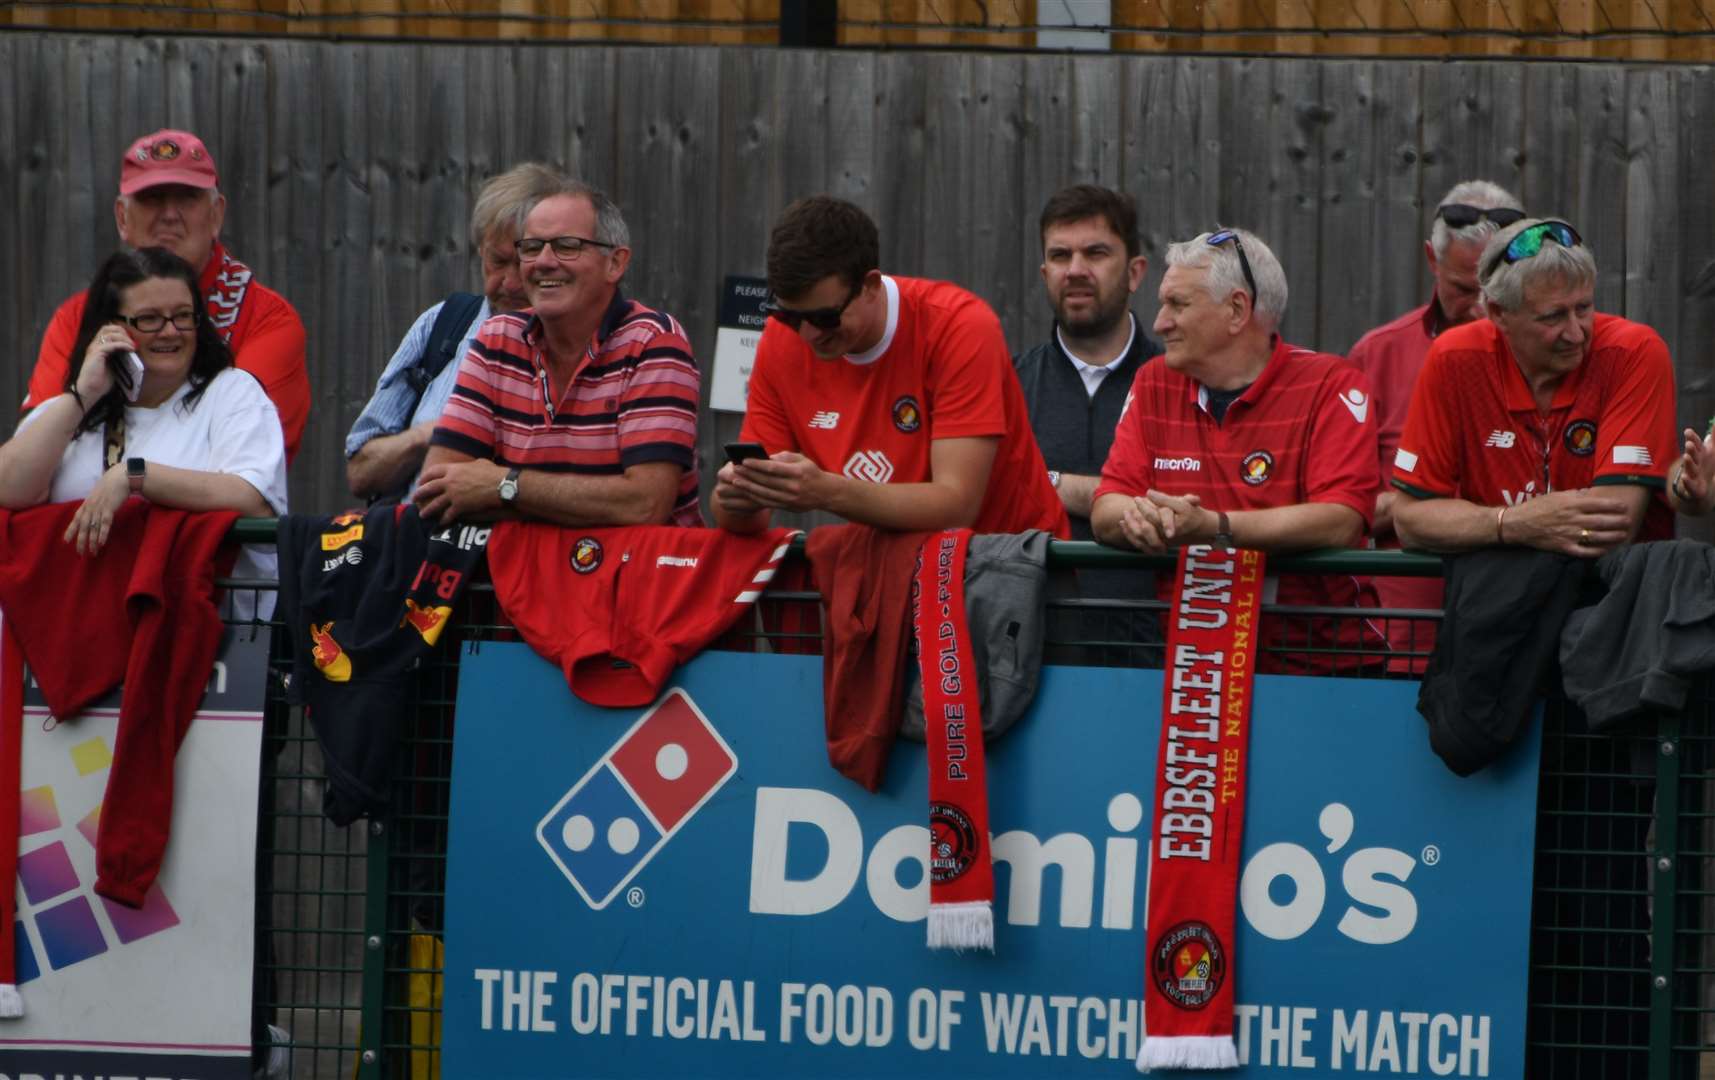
390 409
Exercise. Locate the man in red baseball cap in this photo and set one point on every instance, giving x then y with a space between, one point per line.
169 196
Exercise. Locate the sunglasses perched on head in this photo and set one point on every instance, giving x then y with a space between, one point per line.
1216 239
1529 242
1458 215
827 318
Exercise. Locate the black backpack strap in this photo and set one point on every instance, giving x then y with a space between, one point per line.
456 313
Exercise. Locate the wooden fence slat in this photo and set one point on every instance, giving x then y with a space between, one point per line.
901 105
15 161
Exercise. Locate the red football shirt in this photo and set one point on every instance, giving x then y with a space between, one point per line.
1304 432
1474 431
944 374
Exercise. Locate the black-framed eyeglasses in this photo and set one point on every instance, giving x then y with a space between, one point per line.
150 322
1529 242
565 247
827 318
1216 239
1459 215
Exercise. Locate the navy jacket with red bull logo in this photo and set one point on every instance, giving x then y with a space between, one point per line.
365 596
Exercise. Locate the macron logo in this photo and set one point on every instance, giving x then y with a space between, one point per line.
1501 439
632 801
825 420
675 560
1178 464
1356 403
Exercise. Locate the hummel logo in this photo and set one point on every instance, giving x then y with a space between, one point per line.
825 420
1501 439
1356 404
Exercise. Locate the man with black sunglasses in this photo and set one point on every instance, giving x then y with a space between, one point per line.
1392 355
1545 425
889 401
1234 438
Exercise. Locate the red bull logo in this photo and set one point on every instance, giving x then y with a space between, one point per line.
427 621
330 658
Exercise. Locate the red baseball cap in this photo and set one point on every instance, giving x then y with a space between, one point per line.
166 157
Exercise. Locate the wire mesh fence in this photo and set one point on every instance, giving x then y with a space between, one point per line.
1622 971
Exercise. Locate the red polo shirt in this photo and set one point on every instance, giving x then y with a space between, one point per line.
1392 356
1303 432
1474 431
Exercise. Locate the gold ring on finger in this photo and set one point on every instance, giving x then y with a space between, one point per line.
1583 536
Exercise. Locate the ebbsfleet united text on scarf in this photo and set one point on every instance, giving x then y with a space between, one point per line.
1200 810
961 877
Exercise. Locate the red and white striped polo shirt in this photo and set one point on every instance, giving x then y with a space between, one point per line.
632 400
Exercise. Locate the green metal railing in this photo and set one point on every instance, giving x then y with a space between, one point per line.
1622 974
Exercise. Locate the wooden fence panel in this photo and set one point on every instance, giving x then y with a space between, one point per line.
349 170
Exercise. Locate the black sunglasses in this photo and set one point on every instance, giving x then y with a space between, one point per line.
1458 215
827 318
1218 238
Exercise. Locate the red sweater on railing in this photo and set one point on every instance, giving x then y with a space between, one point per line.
142 611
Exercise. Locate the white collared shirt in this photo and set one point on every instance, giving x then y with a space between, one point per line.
1093 374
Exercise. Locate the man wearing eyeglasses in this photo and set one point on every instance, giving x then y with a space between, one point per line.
1237 439
889 401
581 410
169 196
1544 425
1392 355
388 441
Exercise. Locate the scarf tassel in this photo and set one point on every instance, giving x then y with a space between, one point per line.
968 925
1187 1052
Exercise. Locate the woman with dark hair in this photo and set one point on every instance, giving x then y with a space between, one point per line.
155 408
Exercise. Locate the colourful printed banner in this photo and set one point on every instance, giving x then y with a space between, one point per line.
689 890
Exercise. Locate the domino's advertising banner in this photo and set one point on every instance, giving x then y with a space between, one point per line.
157 991
690 890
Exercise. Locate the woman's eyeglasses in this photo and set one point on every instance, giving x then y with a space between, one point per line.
150 323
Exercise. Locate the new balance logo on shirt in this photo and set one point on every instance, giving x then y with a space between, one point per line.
826 420
1633 455
1501 439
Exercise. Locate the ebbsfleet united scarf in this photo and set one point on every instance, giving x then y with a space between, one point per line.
1200 810
961 877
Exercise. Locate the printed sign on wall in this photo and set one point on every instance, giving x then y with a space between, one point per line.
165 989
690 889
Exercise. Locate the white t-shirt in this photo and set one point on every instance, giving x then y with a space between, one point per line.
233 428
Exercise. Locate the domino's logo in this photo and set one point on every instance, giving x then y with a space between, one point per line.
612 822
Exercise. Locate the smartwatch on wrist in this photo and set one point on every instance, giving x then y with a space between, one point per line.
509 487
134 470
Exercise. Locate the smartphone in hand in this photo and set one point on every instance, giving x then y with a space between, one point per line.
737 452
126 368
